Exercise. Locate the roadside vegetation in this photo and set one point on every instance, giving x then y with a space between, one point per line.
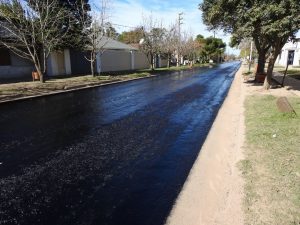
16 90
271 167
268 24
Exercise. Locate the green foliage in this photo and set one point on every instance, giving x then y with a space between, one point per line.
199 37
110 31
270 23
209 48
234 42
214 47
131 37
79 11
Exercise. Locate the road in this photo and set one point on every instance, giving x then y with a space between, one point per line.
112 155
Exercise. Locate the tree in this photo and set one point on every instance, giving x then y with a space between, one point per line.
133 36
95 44
234 17
280 24
270 23
188 47
110 31
200 43
214 48
32 31
79 9
152 42
95 32
245 48
169 42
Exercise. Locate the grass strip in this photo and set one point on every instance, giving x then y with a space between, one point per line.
271 167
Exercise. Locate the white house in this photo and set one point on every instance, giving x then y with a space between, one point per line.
290 54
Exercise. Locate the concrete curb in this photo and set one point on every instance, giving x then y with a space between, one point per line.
88 86
91 86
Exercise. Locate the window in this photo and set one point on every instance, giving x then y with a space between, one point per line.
4 57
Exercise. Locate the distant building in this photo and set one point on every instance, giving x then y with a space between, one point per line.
290 54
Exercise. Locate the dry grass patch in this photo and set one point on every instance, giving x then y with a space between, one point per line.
10 91
272 163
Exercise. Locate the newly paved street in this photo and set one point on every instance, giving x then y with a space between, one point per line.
112 155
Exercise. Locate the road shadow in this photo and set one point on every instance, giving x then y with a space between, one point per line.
289 82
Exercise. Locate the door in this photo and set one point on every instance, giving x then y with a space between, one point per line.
290 60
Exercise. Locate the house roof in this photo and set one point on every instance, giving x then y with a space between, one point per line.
108 43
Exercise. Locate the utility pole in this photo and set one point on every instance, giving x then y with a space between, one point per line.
179 37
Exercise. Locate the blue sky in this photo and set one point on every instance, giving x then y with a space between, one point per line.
131 12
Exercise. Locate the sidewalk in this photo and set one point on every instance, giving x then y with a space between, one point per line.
212 194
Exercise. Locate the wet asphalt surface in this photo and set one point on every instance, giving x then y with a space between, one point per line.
116 155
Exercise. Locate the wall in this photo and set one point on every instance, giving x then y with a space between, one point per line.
59 63
140 61
19 68
79 64
163 63
115 60
282 59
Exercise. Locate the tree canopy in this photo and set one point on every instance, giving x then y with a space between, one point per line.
132 37
270 23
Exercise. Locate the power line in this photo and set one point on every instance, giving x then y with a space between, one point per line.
121 25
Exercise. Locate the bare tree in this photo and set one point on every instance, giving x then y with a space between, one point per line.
152 42
170 41
94 27
32 30
188 47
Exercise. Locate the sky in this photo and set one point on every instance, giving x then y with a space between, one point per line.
130 14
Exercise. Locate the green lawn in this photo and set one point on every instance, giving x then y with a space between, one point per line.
271 167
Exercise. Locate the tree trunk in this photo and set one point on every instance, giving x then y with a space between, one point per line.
37 66
93 64
178 60
44 71
261 63
41 75
262 47
268 79
152 61
272 59
169 60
